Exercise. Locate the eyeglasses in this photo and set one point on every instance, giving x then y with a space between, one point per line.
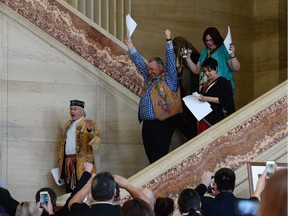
208 69
208 40
74 109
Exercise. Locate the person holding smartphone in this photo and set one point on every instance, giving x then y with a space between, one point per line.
49 202
224 201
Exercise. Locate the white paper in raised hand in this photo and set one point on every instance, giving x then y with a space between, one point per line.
56 175
198 108
228 40
130 24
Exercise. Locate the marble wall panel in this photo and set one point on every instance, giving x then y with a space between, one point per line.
267 45
130 158
37 83
85 39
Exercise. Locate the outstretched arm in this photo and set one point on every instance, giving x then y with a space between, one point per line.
195 68
171 74
125 184
80 196
205 182
137 58
260 186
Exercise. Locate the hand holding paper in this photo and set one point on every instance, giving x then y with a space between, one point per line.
199 109
55 172
228 40
130 24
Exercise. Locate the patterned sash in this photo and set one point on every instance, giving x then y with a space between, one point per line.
70 171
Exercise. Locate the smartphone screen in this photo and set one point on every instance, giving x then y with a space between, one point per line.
246 208
43 197
270 168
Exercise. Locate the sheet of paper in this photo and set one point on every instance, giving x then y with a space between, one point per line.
130 24
228 40
56 175
199 109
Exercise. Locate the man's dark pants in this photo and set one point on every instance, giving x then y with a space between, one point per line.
157 137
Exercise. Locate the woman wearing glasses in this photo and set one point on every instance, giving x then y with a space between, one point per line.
214 47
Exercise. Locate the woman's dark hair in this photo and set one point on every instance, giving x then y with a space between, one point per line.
180 42
136 207
210 63
164 206
214 34
189 202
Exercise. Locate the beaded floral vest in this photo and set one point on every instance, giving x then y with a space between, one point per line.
166 103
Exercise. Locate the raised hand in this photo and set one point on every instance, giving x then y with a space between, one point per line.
121 181
128 42
87 167
167 34
89 125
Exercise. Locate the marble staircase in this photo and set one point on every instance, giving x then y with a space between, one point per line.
256 132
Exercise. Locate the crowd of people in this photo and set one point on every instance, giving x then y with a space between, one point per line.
161 110
100 194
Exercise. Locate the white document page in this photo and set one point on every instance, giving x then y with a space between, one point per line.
228 40
56 175
130 24
198 108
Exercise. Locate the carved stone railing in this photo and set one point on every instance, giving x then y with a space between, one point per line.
258 132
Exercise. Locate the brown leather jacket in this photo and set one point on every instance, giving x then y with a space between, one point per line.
85 143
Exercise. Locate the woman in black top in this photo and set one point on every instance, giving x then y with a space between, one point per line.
217 91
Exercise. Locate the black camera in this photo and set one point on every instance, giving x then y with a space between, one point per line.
210 189
184 52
